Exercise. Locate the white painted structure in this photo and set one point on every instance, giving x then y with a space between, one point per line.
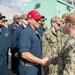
8 12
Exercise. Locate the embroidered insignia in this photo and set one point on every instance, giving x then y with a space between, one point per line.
6 34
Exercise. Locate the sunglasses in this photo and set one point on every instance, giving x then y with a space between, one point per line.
4 20
42 20
26 19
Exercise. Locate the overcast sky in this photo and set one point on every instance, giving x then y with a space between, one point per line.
15 4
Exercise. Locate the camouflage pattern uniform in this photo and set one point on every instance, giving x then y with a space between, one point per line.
62 36
50 47
68 57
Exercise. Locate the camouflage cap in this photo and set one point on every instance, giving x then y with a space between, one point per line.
64 16
56 19
71 18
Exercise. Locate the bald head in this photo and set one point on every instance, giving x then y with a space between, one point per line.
15 16
16 19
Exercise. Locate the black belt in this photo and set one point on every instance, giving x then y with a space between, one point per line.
27 63
2 54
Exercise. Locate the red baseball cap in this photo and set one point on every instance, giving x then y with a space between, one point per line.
34 14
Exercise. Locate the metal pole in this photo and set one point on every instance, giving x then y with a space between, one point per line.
72 2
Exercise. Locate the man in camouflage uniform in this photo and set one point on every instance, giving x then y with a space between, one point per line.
67 54
50 45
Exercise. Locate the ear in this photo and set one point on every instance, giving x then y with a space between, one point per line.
39 21
70 25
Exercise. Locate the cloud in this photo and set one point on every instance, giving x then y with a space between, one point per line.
15 4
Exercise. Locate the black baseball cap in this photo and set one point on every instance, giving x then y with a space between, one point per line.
1 16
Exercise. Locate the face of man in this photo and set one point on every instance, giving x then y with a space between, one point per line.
67 27
1 21
16 19
33 18
25 21
34 23
4 21
41 22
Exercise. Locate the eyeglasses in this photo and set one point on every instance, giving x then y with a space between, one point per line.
26 19
4 21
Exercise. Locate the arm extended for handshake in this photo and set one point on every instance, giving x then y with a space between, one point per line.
28 56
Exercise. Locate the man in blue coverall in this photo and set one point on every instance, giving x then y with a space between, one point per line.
17 31
30 47
15 38
11 29
4 45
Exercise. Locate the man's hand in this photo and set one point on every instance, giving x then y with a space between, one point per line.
46 61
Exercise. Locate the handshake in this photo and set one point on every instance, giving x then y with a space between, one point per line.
46 61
